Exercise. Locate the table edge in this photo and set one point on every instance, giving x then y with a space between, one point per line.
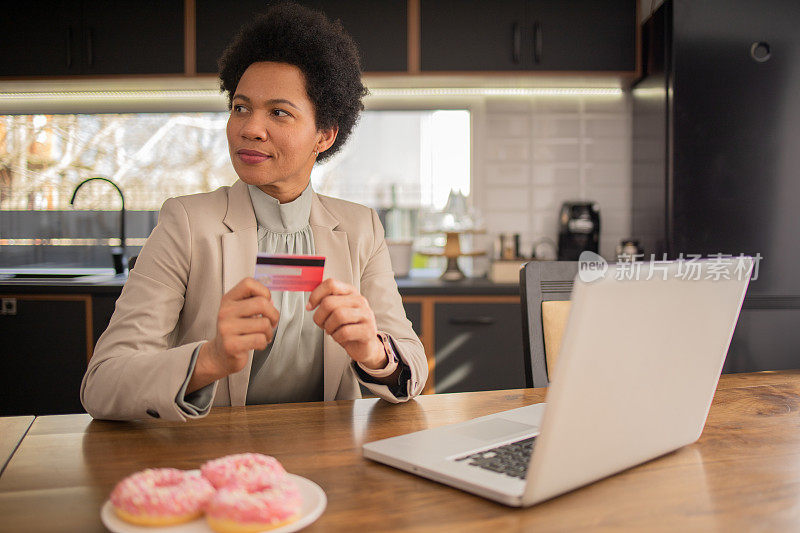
18 443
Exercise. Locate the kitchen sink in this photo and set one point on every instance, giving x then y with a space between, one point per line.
33 275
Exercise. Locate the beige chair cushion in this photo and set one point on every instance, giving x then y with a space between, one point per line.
554 321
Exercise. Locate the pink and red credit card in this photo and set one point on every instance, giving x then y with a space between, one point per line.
301 273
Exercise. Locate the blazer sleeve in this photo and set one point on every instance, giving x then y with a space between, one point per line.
136 370
379 287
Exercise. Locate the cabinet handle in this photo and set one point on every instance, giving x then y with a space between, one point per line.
537 43
69 47
517 42
89 50
473 321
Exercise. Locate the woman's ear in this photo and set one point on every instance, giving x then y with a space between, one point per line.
326 138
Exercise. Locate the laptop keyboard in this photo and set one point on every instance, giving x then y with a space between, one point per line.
509 459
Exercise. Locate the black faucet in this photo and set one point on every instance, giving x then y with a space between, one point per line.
118 254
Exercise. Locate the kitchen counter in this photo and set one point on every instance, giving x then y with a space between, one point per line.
111 284
78 308
469 286
61 281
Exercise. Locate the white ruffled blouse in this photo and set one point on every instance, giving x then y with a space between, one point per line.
290 369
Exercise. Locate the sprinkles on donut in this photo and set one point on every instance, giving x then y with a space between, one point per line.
246 470
161 497
249 510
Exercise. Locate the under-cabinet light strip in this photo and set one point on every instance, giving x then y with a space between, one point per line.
71 242
377 92
500 91
83 95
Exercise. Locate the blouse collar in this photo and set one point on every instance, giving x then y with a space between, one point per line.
281 218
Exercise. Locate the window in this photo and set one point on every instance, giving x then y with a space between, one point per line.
420 155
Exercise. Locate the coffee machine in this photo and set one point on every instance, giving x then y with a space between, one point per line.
579 229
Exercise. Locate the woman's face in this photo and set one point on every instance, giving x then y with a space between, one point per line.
272 132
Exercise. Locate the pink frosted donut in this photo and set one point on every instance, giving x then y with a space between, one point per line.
243 510
247 470
161 497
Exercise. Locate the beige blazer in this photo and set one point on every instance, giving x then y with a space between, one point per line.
202 246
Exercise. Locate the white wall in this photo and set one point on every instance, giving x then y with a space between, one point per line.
530 155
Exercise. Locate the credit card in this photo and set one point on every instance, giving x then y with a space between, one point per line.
301 273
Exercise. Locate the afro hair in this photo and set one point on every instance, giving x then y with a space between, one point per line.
321 49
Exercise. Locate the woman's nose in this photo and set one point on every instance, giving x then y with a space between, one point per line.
255 129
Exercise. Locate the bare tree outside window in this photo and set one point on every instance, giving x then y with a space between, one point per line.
412 158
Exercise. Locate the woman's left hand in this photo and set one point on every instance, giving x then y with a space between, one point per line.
346 316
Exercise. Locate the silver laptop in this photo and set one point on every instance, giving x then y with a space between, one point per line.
639 363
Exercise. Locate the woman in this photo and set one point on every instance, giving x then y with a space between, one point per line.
192 327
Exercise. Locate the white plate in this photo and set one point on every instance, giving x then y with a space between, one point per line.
314 502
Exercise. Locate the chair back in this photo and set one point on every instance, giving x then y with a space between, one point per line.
545 290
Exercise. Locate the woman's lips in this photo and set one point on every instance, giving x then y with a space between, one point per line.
252 157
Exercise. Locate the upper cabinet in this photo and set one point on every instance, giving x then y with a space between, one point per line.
40 38
57 38
472 35
378 27
49 38
133 37
528 35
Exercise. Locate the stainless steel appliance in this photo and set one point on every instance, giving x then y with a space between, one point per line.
716 130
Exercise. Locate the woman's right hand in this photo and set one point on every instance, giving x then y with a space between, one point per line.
246 321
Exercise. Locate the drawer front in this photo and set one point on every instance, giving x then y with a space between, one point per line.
478 347
43 357
378 28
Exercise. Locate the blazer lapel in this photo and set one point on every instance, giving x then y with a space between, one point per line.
239 249
334 246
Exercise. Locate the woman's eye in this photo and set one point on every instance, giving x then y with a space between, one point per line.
238 108
280 113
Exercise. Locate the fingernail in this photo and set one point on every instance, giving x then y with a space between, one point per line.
308 306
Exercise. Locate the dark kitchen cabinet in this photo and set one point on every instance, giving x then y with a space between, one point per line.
54 38
378 27
478 346
39 38
133 37
472 35
44 352
414 314
102 309
546 35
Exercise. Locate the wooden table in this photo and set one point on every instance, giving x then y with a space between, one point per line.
12 429
743 474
